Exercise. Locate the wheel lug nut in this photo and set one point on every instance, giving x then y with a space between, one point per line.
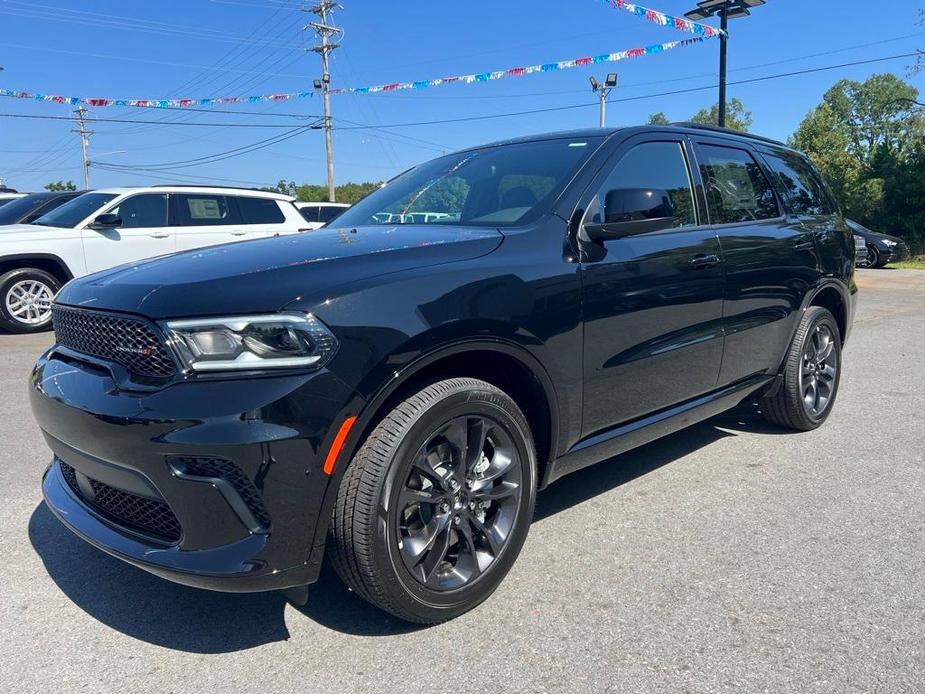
471 505
444 507
457 520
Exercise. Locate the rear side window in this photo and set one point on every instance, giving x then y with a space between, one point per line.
310 213
737 189
142 211
329 214
203 209
801 186
260 211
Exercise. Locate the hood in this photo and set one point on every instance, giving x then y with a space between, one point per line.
32 231
268 274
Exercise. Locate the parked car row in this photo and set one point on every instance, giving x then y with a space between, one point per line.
47 239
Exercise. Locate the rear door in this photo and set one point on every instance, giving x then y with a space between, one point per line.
143 233
206 219
652 301
262 217
770 259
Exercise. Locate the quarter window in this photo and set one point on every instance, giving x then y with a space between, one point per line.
647 170
142 211
205 210
260 211
803 190
737 189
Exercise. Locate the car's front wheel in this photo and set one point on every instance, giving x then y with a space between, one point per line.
436 505
26 295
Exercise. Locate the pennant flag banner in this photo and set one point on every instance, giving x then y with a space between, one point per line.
395 86
665 20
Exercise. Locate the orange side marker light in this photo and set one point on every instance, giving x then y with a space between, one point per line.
338 444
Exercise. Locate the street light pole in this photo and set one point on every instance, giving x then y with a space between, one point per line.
726 10
603 90
723 38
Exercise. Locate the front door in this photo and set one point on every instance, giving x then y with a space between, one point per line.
652 300
207 219
143 233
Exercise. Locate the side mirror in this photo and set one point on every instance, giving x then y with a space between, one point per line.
633 211
106 221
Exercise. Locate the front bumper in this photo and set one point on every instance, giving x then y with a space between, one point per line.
895 254
247 525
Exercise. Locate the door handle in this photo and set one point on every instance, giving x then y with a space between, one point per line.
703 260
159 235
238 232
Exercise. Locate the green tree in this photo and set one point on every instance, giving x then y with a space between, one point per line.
659 119
869 143
737 116
60 185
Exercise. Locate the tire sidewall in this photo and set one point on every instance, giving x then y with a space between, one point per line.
816 316
440 605
10 322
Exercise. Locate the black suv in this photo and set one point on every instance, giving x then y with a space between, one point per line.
398 393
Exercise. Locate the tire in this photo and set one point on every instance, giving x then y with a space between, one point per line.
790 406
398 492
873 257
35 286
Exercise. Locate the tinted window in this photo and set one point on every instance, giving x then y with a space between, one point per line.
52 204
495 186
260 211
737 190
641 174
328 214
203 209
802 188
73 212
310 213
18 208
142 211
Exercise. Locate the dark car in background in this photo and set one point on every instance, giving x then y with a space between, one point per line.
397 392
27 209
881 248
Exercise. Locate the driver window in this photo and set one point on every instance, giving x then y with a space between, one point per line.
737 190
650 181
142 211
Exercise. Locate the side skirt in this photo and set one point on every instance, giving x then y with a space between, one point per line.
620 439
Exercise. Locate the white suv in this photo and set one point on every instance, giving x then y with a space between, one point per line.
317 214
104 228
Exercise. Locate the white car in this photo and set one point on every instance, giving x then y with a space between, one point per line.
105 228
317 214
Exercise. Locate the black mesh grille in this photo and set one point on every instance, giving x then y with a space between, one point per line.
126 509
128 341
234 475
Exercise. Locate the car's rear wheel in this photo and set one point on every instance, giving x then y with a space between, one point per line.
436 505
811 374
26 295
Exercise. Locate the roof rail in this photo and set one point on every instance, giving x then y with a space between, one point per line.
728 131
204 185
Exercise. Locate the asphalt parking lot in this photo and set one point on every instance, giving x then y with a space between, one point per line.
728 557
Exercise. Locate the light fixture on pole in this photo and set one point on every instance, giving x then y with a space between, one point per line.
725 10
603 90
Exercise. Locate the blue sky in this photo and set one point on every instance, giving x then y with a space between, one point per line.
206 48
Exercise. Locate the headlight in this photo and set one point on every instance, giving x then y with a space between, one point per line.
284 340
887 242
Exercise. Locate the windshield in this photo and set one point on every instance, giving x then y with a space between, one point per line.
496 186
16 209
73 212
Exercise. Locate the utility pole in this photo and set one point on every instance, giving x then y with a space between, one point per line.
723 39
603 90
85 134
325 32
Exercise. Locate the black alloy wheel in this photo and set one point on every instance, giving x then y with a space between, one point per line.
810 375
459 502
435 506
